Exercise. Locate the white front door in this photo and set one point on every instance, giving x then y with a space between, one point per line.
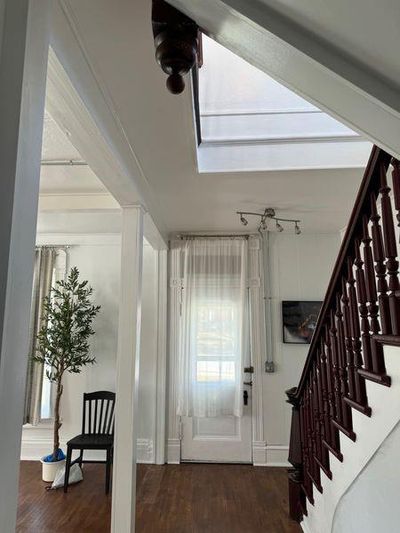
223 439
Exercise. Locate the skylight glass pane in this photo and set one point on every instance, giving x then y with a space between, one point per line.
249 121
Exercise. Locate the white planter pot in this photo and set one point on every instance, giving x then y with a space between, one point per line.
49 470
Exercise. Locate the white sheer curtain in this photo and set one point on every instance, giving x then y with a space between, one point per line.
214 327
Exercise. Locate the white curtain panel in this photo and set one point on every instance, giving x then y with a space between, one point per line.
214 336
43 275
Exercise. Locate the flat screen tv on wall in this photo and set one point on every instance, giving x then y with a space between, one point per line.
299 320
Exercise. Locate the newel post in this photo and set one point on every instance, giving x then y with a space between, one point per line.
295 474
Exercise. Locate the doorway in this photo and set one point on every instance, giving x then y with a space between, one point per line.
222 437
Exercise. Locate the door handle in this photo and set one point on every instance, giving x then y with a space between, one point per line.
245 397
249 383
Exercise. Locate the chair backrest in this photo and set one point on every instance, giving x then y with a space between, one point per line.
98 413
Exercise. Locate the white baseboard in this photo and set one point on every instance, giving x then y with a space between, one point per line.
173 451
145 451
278 456
270 455
259 453
33 449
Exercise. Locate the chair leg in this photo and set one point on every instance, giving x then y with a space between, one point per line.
108 470
80 459
67 468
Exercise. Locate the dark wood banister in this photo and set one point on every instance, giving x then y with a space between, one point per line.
360 313
354 227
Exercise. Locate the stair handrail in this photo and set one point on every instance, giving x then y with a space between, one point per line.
360 313
369 183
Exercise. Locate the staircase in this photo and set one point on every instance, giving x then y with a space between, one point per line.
338 419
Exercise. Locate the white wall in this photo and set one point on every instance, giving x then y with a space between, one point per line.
98 260
301 266
371 433
372 502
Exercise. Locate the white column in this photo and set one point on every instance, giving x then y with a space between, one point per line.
126 424
24 32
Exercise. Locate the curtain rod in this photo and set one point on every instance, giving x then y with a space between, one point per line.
204 236
58 246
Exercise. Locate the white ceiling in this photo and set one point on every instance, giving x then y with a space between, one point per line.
62 178
365 30
159 129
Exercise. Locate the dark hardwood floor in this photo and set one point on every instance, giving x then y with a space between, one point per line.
187 498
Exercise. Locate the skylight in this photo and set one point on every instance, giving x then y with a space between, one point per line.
248 121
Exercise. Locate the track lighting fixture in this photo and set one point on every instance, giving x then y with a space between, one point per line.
269 214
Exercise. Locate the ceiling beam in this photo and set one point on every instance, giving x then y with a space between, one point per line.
79 103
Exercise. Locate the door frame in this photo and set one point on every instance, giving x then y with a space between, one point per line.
258 348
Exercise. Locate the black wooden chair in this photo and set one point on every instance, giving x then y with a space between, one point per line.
97 432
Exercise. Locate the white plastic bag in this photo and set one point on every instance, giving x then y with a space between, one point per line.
75 475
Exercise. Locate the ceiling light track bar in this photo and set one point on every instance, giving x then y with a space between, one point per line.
269 214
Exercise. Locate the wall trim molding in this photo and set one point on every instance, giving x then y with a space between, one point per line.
270 455
33 448
259 453
277 455
173 451
79 239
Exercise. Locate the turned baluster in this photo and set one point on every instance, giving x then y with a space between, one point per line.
348 342
325 393
331 430
313 426
305 447
378 365
335 370
314 398
392 264
307 430
359 382
380 268
362 308
322 403
341 357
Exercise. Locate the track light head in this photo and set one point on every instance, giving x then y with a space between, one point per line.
297 229
279 227
243 220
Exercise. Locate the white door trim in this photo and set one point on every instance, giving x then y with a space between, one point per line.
159 437
174 307
258 344
258 348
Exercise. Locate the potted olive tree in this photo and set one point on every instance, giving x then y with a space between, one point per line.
63 346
